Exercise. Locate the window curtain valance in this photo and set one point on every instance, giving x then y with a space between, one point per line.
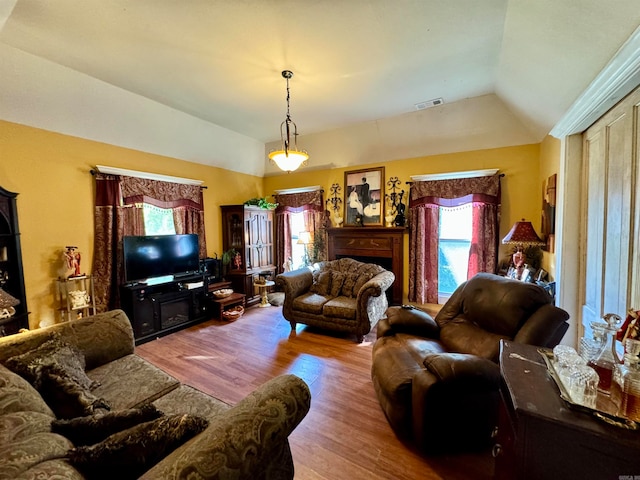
299 202
456 192
161 194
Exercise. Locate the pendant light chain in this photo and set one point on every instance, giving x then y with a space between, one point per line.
288 159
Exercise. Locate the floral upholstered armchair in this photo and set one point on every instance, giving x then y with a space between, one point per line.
342 295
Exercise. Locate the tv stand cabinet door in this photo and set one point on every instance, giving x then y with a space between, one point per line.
139 307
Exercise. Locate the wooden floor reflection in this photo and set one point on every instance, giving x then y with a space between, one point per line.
345 435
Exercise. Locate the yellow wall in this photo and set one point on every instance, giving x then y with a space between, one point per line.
50 172
549 164
521 192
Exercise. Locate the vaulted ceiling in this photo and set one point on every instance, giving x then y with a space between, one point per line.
208 72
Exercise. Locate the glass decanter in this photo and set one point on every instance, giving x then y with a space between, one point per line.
606 360
630 381
590 346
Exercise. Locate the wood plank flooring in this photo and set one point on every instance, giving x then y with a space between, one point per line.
345 435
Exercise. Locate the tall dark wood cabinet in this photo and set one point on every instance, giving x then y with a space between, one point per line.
250 232
11 273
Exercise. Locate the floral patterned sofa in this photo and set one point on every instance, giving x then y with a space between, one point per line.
249 440
342 295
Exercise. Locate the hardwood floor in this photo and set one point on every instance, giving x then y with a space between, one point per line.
345 435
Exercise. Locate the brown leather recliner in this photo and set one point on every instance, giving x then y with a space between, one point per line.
438 381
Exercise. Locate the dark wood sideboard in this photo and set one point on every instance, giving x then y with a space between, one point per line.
380 245
540 437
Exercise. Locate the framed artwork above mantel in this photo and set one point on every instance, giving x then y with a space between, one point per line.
364 197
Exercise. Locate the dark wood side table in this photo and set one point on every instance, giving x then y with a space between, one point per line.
233 300
540 437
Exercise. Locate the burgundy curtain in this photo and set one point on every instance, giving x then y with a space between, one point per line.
113 220
484 194
309 202
423 254
483 252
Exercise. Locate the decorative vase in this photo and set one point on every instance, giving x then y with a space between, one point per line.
390 218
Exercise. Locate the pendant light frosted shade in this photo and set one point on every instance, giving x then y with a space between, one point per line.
290 160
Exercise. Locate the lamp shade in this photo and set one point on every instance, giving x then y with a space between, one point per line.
522 233
304 238
288 160
7 300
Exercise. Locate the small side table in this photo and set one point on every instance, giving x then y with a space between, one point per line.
226 303
264 288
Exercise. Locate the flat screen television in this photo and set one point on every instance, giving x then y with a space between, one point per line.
147 257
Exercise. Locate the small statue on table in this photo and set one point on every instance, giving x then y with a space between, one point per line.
72 258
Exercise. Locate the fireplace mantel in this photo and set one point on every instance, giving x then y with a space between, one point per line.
380 245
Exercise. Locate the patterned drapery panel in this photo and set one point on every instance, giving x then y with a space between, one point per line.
423 254
113 220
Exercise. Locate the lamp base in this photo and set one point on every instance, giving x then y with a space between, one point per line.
7 313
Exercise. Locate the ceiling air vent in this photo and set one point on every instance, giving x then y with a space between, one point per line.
429 103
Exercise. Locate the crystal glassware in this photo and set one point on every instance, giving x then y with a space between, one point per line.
583 385
606 360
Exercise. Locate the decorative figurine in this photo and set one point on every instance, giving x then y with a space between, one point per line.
400 218
237 261
72 258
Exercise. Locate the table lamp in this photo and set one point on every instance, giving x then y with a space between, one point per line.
522 235
7 302
304 238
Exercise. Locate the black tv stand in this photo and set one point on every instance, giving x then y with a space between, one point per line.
158 309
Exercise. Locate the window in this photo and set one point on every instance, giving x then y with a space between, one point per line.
158 221
297 249
453 248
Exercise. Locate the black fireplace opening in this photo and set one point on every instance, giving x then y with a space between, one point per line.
174 311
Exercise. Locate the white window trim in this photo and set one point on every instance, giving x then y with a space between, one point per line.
147 175
454 175
287 191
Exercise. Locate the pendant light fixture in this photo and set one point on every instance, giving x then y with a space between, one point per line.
289 158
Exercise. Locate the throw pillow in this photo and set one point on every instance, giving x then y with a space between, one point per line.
337 280
65 396
94 429
129 453
350 280
321 283
54 351
362 279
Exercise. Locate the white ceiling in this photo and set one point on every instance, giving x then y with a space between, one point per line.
216 64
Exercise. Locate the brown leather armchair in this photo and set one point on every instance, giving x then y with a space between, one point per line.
437 380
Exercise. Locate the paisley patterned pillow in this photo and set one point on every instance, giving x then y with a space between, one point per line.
350 280
65 396
129 453
337 280
93 429
321 282
54 351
